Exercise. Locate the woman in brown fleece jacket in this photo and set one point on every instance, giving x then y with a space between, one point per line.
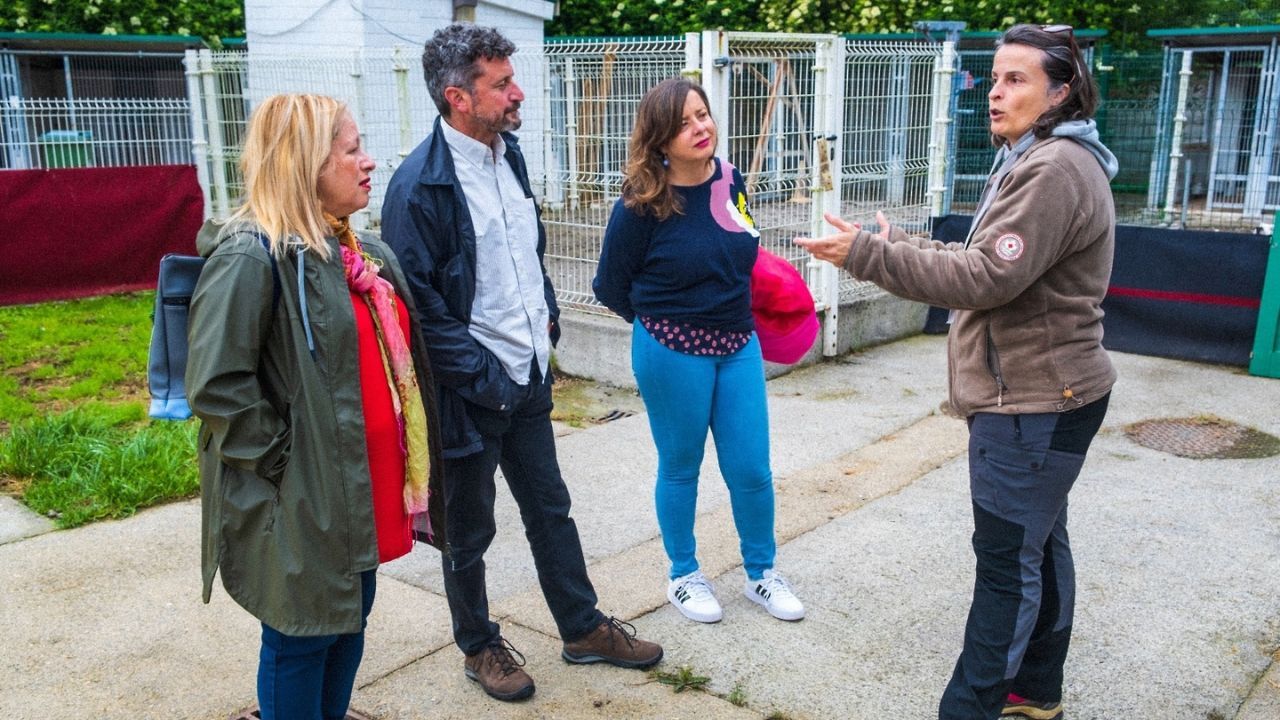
1025 358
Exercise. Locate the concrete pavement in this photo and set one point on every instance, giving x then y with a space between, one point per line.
1178 612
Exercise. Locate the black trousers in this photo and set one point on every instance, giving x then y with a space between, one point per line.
522 443
1021 468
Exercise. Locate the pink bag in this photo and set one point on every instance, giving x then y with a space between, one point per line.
782 306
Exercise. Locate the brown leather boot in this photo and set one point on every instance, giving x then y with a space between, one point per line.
614 642
498 672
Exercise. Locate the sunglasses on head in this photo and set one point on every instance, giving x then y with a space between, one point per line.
1071 44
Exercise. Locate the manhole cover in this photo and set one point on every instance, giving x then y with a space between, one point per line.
1205 437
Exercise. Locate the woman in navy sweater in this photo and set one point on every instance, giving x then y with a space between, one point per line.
676 263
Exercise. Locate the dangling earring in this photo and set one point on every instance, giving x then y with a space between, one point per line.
665 162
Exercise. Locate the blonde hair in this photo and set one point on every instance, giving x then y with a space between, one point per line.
288 141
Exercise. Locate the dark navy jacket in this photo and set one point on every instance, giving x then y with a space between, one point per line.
426 222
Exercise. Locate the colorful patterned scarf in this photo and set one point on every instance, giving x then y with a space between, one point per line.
362 277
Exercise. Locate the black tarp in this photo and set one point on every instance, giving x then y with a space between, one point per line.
1188 294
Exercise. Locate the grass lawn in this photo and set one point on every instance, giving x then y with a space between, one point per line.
75 441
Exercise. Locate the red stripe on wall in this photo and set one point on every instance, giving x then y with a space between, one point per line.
76 232
1186 297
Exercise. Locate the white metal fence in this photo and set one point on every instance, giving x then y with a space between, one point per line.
814 123
590 89
94 132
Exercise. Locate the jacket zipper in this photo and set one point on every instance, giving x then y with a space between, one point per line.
993 366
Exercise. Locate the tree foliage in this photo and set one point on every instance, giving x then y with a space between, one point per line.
653 17
206 18
1125 20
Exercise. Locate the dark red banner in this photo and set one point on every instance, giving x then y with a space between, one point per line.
87 231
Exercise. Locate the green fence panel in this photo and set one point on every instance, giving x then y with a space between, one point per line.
1266 341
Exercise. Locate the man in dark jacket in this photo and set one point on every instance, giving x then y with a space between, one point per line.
461 216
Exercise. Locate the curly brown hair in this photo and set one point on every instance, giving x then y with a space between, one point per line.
645 187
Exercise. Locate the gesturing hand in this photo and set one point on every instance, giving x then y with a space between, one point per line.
834 248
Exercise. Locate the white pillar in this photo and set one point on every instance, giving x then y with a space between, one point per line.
1175 147
944 69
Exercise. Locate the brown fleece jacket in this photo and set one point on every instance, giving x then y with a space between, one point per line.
1027 334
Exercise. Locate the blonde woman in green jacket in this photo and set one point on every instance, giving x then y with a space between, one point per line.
1025 359
319 453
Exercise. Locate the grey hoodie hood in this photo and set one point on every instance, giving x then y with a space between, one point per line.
1085 132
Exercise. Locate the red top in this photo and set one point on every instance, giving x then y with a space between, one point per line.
382 437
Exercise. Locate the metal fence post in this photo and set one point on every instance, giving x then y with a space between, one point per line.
941 151
14 125
1216 139
360 219
1159 158
1175 148
693 56
550 183
715 81
217 145
1262 147
403 107
828 114
199 145
571 130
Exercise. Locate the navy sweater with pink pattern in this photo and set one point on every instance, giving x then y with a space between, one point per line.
692 268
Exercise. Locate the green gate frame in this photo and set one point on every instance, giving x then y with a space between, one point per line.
1266 340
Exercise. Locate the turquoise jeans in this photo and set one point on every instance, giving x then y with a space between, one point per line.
686 395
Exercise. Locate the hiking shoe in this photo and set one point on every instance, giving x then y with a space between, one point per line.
1016 705
774 593
496 669
614 642
693 597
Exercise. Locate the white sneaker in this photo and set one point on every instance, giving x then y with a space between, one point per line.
693 597
774 593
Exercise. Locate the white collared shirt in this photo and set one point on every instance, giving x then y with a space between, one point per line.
509 315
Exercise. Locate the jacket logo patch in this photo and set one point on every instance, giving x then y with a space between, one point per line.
1010 246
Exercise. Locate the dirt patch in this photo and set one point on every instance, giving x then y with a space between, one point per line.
579 402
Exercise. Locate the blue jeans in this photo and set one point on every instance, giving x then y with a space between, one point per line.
522 442
1021 469
310 678
685 395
